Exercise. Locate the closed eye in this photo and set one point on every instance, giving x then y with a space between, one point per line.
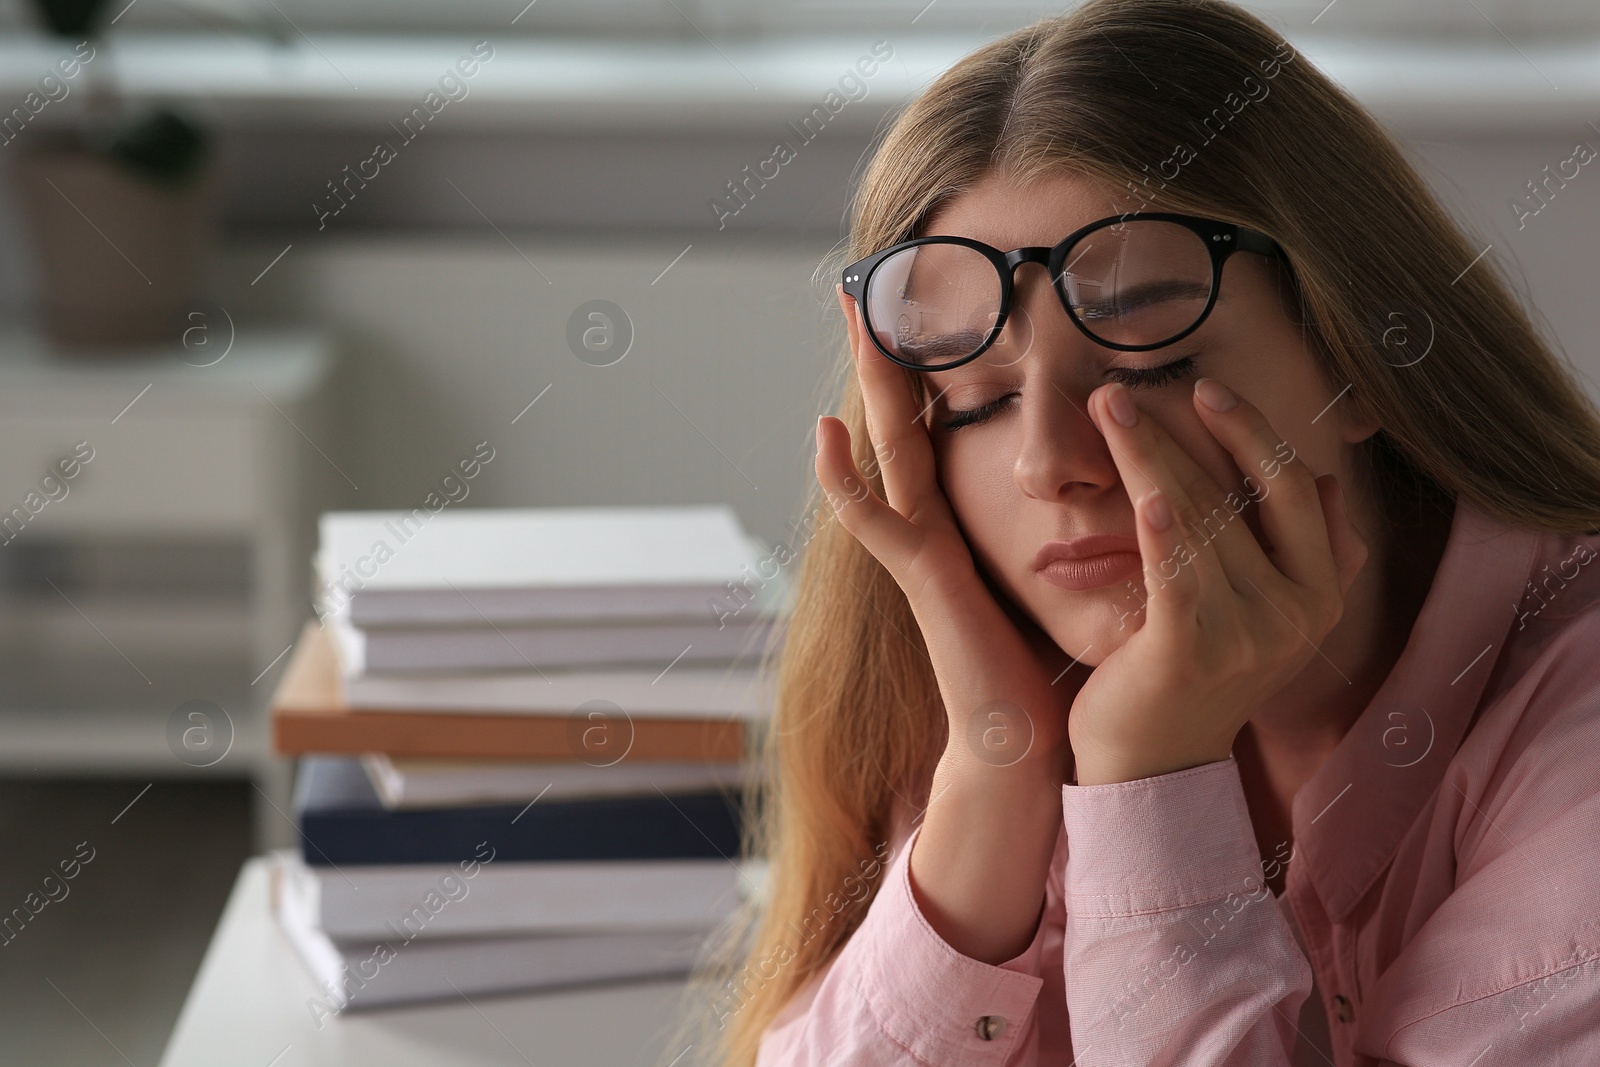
958 419
1132 377
1136 378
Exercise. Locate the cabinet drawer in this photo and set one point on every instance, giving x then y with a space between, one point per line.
177 472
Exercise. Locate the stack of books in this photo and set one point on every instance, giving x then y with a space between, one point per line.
523 738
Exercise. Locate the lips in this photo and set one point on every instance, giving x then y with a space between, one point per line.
1083 548
1087 562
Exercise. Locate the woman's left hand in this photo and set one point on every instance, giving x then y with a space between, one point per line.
1227 624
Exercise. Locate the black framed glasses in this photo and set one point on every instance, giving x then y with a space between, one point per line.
1131 282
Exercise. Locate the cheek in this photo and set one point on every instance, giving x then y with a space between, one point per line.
977 484
982 491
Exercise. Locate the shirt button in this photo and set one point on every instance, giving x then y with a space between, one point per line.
991 1027
1343 1009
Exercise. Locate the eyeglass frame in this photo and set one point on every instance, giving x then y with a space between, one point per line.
1221 240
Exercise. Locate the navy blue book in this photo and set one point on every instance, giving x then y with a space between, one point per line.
342 821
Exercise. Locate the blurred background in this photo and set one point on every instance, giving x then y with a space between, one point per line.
224 309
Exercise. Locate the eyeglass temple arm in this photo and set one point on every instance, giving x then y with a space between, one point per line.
1249 240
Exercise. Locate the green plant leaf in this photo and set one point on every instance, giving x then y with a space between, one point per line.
70 18
163 146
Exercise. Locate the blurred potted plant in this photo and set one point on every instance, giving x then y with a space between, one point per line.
120 201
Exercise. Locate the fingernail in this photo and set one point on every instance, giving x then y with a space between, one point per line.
1121 406
1214 395
1157 510
819 433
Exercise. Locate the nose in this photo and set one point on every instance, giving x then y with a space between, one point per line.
1061 448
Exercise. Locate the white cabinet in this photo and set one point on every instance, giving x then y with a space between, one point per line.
172 567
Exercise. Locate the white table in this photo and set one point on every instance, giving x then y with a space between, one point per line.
248 1006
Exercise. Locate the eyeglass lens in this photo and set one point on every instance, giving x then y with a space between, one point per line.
1138 282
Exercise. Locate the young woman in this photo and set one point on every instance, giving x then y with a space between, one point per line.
1194 661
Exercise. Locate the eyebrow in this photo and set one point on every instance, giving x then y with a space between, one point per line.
943 344
1142 296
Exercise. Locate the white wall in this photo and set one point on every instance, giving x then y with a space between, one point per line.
447 340
1554 259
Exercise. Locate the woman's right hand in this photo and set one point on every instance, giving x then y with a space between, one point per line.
990 829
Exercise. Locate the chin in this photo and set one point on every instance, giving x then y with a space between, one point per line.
1097 625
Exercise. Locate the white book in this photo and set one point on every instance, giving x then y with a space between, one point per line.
403 783
753 600
430 902
533 648
465 565
685 691
356 975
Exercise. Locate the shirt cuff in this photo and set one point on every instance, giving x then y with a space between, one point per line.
1160 843
933 1000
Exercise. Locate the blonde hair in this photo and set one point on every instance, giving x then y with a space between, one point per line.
1490 415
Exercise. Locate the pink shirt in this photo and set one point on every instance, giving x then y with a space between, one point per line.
1445 879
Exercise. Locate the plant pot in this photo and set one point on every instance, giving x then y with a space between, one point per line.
118 252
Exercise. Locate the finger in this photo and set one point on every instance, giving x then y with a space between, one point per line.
899 438
1145 457
1292 516
1171 581
1209 515
882 531
855 333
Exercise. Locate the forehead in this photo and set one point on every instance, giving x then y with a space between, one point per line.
1002 211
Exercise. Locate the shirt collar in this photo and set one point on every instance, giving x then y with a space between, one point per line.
1349 818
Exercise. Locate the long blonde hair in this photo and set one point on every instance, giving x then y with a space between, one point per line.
1489 414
